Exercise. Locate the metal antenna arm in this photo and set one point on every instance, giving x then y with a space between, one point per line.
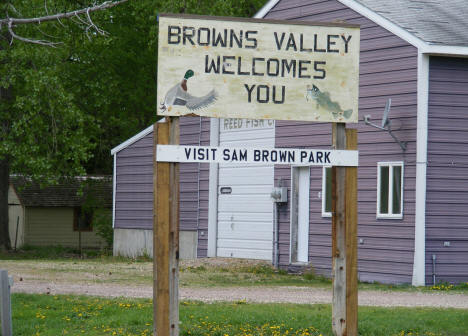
402 144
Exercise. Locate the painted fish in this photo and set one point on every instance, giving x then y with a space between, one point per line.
324 101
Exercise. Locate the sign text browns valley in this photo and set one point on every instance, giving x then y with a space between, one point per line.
257 69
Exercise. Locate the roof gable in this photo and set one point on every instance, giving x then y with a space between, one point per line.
433 21
433 26
132 140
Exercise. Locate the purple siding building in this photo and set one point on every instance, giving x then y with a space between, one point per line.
412 200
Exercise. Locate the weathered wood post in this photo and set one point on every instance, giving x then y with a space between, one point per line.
166 233
5 303
344 237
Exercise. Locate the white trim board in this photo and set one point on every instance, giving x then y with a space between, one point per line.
265 9
213 193
419 271
132 140
114 189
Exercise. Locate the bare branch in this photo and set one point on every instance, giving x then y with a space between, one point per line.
88 23
17 37
81 20
104 5
98 30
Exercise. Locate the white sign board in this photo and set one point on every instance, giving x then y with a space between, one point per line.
257 69
292 156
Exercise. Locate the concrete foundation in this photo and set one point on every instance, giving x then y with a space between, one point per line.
136 242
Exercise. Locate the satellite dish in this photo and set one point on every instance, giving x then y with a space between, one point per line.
386 125
385 120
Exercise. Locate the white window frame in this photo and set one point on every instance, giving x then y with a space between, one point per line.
324 191
390 189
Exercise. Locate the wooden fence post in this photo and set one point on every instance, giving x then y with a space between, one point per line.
5 303
344 237
166 234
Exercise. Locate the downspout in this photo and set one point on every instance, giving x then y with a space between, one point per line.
419 271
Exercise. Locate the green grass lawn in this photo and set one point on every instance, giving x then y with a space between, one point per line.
74 315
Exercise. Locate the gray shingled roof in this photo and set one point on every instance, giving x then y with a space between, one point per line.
64 194
438 22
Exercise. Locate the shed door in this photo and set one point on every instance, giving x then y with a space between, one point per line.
245 210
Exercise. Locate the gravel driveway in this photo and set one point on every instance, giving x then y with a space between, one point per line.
134 279
252 294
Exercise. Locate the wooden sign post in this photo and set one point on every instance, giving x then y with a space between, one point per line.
344 238
166 233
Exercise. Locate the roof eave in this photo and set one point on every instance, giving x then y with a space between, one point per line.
132 140
444 50
265 9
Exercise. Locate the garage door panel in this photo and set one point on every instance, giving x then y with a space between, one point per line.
244 244
243 165
240 203
260 143
243 170
253 218
244 253
236 236
255 135
245 211
248 190
234 140
231 229
252 180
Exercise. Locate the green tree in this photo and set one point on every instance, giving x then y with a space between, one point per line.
89 86
44 133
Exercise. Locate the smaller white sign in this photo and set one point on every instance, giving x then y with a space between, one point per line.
294 156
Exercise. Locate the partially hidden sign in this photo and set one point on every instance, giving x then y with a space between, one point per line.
294 156
257 69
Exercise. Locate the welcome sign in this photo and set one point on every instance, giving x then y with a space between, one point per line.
257 69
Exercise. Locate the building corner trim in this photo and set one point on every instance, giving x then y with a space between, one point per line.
114 188
213 193
419 267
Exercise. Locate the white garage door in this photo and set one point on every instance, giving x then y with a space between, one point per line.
245 210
